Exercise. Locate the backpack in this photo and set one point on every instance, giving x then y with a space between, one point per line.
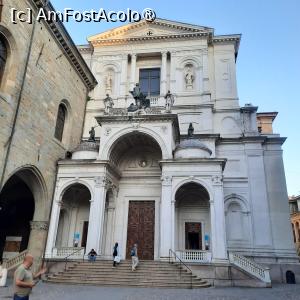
132 252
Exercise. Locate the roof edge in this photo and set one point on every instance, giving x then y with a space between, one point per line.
67 44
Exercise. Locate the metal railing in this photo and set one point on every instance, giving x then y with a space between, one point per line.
72 254
172 254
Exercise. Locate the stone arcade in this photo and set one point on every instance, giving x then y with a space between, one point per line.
190 173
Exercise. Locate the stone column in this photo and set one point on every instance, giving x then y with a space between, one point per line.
206 88
133 70
166 217
97 208
217 216
53 225
173 72
37 240
72 225
163 82
124 67
109 231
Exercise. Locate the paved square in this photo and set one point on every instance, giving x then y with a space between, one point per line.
75 292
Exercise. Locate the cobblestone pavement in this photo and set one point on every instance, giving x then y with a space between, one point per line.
46 291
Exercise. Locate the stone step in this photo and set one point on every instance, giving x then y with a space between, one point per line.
135 284
114 277
108 269
130 273
148 274
122 280
139 269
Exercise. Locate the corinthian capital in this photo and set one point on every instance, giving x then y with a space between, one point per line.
166 179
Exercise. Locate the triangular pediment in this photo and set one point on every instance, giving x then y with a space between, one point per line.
144 29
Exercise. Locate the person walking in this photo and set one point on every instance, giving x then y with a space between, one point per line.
116 255
24 279
134 257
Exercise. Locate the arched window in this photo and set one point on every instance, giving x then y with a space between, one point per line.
60 122
3 56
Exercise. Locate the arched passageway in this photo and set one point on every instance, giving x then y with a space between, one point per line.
136 156
19 205
73 222
192 217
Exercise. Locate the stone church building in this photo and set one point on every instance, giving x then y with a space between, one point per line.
158 153
186 170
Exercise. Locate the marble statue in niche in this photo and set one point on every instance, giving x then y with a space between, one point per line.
189 77
108 83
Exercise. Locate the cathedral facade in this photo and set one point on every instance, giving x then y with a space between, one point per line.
168 158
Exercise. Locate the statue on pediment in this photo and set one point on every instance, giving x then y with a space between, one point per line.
141 102
169 101
108 103
92 134
191 131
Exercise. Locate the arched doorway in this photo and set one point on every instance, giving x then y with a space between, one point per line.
192 215
21 201
136 157
74 217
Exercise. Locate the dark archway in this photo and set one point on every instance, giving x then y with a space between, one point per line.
290 277
17 208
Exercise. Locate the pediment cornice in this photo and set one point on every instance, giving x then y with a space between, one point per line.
120 41
162 24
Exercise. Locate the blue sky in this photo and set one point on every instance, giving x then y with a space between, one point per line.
268 66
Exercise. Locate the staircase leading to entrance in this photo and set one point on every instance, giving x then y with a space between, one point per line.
148 274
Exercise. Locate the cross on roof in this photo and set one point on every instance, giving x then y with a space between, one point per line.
149 33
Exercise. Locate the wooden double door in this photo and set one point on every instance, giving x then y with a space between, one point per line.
140 231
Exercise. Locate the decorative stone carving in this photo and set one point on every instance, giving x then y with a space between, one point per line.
39 225
125 112
166 179
118 112
189 77
217 180
108 83
169 101
107 131
136 125
108 103
105 182
164 129
143 163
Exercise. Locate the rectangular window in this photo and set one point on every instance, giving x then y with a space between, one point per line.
150 81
